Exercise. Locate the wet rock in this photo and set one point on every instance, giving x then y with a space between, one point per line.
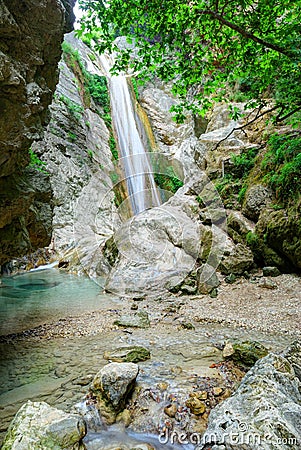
171 410
39 426
267 284
246 353
207 279
271 272
112 386
196 405
138 320
256 199
238 261
132 354
267 403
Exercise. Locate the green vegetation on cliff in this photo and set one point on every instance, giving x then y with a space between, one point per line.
207 46
91 86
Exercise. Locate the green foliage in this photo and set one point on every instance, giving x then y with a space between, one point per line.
113 148
71 136
244 162
95 86
98 89
90 153
206 44
135 88
114 177
168 180
92 56
75 109
36 162
282 165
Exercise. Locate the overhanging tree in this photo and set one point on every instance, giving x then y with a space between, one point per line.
206 47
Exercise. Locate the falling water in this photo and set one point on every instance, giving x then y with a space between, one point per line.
138 171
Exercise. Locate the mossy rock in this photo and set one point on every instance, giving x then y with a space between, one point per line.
133 354
247 352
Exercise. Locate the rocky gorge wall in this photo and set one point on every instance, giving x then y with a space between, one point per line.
30 48
78 158
178 246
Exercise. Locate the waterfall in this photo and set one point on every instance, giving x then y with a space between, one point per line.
140 181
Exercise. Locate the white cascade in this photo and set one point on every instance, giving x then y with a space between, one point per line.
140 181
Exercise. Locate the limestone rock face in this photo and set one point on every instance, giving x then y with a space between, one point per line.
157 249
31 35
38 426
79 160
265 411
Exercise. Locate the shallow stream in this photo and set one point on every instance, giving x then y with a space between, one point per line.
59 370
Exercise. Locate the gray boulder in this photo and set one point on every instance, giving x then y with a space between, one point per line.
112 386
38 426
265 411
238 261
207 279
257 198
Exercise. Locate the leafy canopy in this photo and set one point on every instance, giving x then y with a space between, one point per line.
206 46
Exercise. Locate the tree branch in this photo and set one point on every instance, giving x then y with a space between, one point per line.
242 127
245 33
280 119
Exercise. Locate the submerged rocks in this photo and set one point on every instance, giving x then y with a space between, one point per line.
265 411
112 385
38 426
137 320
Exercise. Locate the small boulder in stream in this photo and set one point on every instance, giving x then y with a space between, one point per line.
112 386
245 353
38 426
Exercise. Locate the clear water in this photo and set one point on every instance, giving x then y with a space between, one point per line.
53 370
31 299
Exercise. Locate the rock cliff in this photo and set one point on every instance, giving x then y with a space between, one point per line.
30 48
76 150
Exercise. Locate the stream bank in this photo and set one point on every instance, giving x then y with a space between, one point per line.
56 361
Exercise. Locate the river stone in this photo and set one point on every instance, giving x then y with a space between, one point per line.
133 354
256 199
207 279
265 411
114 382
137 320
240 260
38 426
246 353
271 271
